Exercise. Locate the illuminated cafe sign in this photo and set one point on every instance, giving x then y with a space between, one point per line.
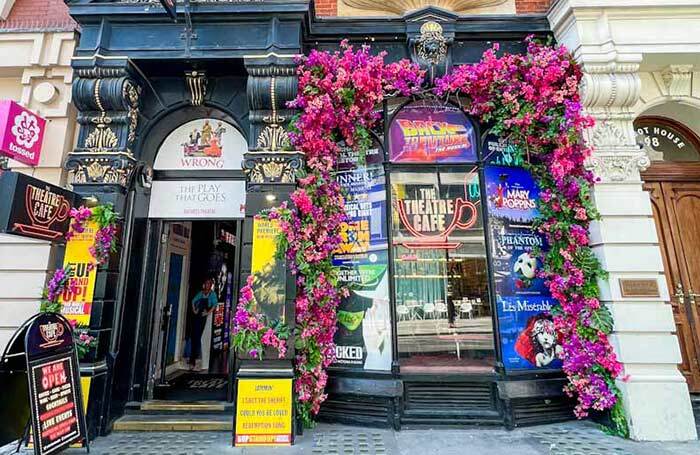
431 220
35 208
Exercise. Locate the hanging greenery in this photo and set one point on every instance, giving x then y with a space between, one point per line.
532 100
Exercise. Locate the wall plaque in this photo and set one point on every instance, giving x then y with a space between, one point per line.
639 287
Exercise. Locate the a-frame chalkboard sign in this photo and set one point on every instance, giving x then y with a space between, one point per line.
53 378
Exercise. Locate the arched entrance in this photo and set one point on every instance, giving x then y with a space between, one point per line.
192 216
673 183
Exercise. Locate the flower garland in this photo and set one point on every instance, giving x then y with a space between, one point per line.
252 331
61 282
533 100
337 96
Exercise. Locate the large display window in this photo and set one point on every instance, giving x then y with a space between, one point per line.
443 309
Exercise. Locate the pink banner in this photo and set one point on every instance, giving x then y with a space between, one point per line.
21 133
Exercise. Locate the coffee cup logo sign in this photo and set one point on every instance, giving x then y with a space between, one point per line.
51 333
432 220
22 133
44 208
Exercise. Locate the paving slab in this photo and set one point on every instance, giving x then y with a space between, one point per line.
573 438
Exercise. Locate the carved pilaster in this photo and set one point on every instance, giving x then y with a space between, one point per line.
608 93
272 82
108 101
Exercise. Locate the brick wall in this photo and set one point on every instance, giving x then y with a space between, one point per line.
532 6
326 7
35 15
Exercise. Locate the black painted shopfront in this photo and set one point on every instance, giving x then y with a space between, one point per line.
182 127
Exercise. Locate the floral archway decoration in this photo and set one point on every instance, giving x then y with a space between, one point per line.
532 100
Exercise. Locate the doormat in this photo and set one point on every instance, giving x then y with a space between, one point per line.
198 386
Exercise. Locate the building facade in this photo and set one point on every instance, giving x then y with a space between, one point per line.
639 69
37 40
181 127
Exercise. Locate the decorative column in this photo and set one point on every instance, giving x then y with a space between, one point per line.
271 164
100 168
656 398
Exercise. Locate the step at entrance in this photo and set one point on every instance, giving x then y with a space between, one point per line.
177 407
179 422
163 415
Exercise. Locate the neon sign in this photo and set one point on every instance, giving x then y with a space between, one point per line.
432 132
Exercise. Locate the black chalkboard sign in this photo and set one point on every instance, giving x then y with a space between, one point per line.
56 405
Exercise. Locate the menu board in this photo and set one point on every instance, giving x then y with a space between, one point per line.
263 412
55 398
54 403
523 302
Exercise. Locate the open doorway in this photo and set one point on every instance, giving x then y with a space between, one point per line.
196 295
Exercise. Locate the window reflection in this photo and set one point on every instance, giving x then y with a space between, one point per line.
440 272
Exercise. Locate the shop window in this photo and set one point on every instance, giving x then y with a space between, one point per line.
440 271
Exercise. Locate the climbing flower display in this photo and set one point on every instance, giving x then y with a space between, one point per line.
338 94
532 99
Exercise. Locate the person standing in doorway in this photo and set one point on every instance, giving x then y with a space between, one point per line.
202 304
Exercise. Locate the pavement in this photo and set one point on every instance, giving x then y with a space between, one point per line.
572 438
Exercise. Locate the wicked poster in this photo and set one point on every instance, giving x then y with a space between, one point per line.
523 302
363 338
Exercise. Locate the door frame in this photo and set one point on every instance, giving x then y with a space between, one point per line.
660 174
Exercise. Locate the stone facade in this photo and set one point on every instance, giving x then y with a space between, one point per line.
620 47
37 38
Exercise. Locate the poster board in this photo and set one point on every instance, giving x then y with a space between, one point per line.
263 412
55 393
77 306
523 303
270 272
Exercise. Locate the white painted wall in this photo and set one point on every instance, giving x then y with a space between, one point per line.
34 71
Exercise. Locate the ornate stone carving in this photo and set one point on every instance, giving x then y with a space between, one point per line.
100 170
272 168
197 84
618 166
101 138
108 101
608 92
607 135
431 46
271 83
677 79
403 6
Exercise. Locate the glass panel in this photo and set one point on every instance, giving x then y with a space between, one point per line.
665 142
442 301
